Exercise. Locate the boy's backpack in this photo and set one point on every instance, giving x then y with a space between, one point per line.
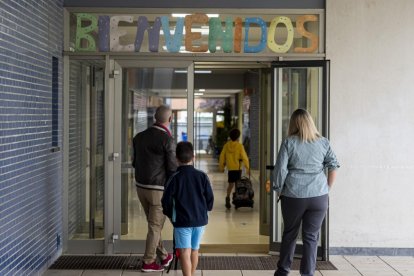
243 195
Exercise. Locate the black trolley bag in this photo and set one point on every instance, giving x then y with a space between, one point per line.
244 193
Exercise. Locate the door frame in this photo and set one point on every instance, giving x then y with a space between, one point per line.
74 246
323 250
111 243
115 245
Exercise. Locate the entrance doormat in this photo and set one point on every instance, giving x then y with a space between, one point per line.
205 263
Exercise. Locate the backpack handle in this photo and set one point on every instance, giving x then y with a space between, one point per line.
240 161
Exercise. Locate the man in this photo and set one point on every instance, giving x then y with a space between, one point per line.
154 162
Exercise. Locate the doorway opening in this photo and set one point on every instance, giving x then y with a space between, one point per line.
226 96
110 101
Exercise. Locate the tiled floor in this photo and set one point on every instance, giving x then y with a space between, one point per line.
347 266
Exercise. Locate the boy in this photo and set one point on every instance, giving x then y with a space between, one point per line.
186 200
231 156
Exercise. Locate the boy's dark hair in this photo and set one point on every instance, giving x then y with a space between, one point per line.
184 152
234 134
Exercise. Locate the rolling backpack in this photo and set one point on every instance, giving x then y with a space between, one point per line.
243 195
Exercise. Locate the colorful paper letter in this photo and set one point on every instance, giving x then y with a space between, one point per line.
153 33
103 24
300 28
115 34
216 33
190 36
173 43
238 24
262 43
83 32
284 48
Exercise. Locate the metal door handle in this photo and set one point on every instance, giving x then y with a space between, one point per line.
114 156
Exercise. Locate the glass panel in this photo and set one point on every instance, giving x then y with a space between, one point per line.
266 150
86 150
298 88
144 89
204 113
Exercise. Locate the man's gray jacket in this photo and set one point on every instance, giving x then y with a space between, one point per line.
154 157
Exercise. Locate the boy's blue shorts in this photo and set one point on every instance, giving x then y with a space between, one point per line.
188 237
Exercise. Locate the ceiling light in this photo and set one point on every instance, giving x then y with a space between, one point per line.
185 14
202 71
196 71
202 90
198 94
180 71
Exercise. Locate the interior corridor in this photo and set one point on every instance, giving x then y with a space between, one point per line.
232 226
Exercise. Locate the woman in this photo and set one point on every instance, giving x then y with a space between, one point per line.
302 187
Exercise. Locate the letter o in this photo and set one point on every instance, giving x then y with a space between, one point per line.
284 48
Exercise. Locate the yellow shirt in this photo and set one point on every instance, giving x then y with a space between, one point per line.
231 156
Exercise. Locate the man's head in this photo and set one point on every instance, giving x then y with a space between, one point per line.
184 152
163 114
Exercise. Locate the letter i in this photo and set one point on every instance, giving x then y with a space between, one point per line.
237 34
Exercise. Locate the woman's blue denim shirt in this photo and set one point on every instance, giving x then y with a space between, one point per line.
300 167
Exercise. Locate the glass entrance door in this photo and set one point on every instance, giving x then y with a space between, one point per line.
298 84
139 88
84 157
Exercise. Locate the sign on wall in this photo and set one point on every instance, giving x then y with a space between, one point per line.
195 33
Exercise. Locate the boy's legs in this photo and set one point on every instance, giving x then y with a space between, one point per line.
195 246
182 236
186 261
229 189
188 241
194 261
233 176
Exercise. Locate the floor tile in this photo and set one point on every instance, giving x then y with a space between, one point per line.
342 264
371 265
60 272
258 272
222 273
180 273
140 273
339 273
102 273
380 273
404 265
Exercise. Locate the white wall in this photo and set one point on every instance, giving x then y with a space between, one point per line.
370 45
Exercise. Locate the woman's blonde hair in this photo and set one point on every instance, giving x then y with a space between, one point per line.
301 124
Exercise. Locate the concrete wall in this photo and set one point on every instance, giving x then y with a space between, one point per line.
369 44
30 161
